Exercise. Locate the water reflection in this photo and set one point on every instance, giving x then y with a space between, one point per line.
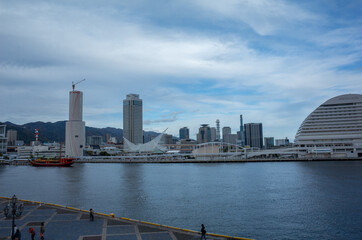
131 190
72 182
256 200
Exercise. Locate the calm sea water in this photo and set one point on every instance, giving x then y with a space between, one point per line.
291 200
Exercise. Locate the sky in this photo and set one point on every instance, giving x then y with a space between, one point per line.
191 61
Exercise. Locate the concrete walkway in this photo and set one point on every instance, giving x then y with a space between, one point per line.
73 224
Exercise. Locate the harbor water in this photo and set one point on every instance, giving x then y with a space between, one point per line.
266 200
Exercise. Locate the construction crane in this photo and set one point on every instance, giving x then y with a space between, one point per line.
73 84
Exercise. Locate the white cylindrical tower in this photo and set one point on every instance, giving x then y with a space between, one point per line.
75 127
75 106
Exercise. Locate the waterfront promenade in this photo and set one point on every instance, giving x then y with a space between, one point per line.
73 224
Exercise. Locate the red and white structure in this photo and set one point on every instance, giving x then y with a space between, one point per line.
75 127
36 134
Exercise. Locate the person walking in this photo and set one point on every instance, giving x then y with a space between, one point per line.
32 233
203 232
91 214
17 235
42 230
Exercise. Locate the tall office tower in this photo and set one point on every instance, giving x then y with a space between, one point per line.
184 133
217 130
75 127
242 133
254 134
11 136
213 134
132 119
3 139
204 134
225 131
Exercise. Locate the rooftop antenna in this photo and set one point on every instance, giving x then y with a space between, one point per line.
73 84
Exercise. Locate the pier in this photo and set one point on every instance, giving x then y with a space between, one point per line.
70 223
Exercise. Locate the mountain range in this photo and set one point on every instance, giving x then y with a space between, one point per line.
50 132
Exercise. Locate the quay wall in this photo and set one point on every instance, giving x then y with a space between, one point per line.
214 160
21 162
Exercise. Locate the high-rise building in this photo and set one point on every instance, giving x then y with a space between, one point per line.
204 134
268 142
254 134
213 134
3 139
241 135
217 130
75 127
225 131
132 119
12 136
184 133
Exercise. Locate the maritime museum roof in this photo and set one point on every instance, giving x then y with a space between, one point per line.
152 146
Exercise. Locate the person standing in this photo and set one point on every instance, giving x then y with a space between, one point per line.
42 230
91 214
32 233
17 235
203 232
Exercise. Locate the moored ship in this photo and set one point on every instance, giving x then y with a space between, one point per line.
53 162
61 162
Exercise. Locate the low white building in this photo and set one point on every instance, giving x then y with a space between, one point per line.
282 142
40 151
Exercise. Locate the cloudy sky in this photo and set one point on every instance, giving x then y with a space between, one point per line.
191 61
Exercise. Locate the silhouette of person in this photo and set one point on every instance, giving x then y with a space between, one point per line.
32 233
42 230
17 235
203 232
91 214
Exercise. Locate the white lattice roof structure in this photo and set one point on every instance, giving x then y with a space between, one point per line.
152 146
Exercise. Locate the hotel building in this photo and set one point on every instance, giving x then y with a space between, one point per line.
132 119
334 128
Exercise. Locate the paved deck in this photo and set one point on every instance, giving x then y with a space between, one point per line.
73 224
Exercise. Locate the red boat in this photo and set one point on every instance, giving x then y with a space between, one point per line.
62 162
53 162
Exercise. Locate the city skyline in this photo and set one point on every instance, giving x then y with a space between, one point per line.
192 62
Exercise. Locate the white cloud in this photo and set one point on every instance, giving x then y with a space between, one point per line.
263 16
203 74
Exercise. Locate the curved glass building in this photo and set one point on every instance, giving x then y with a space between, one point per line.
334 128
